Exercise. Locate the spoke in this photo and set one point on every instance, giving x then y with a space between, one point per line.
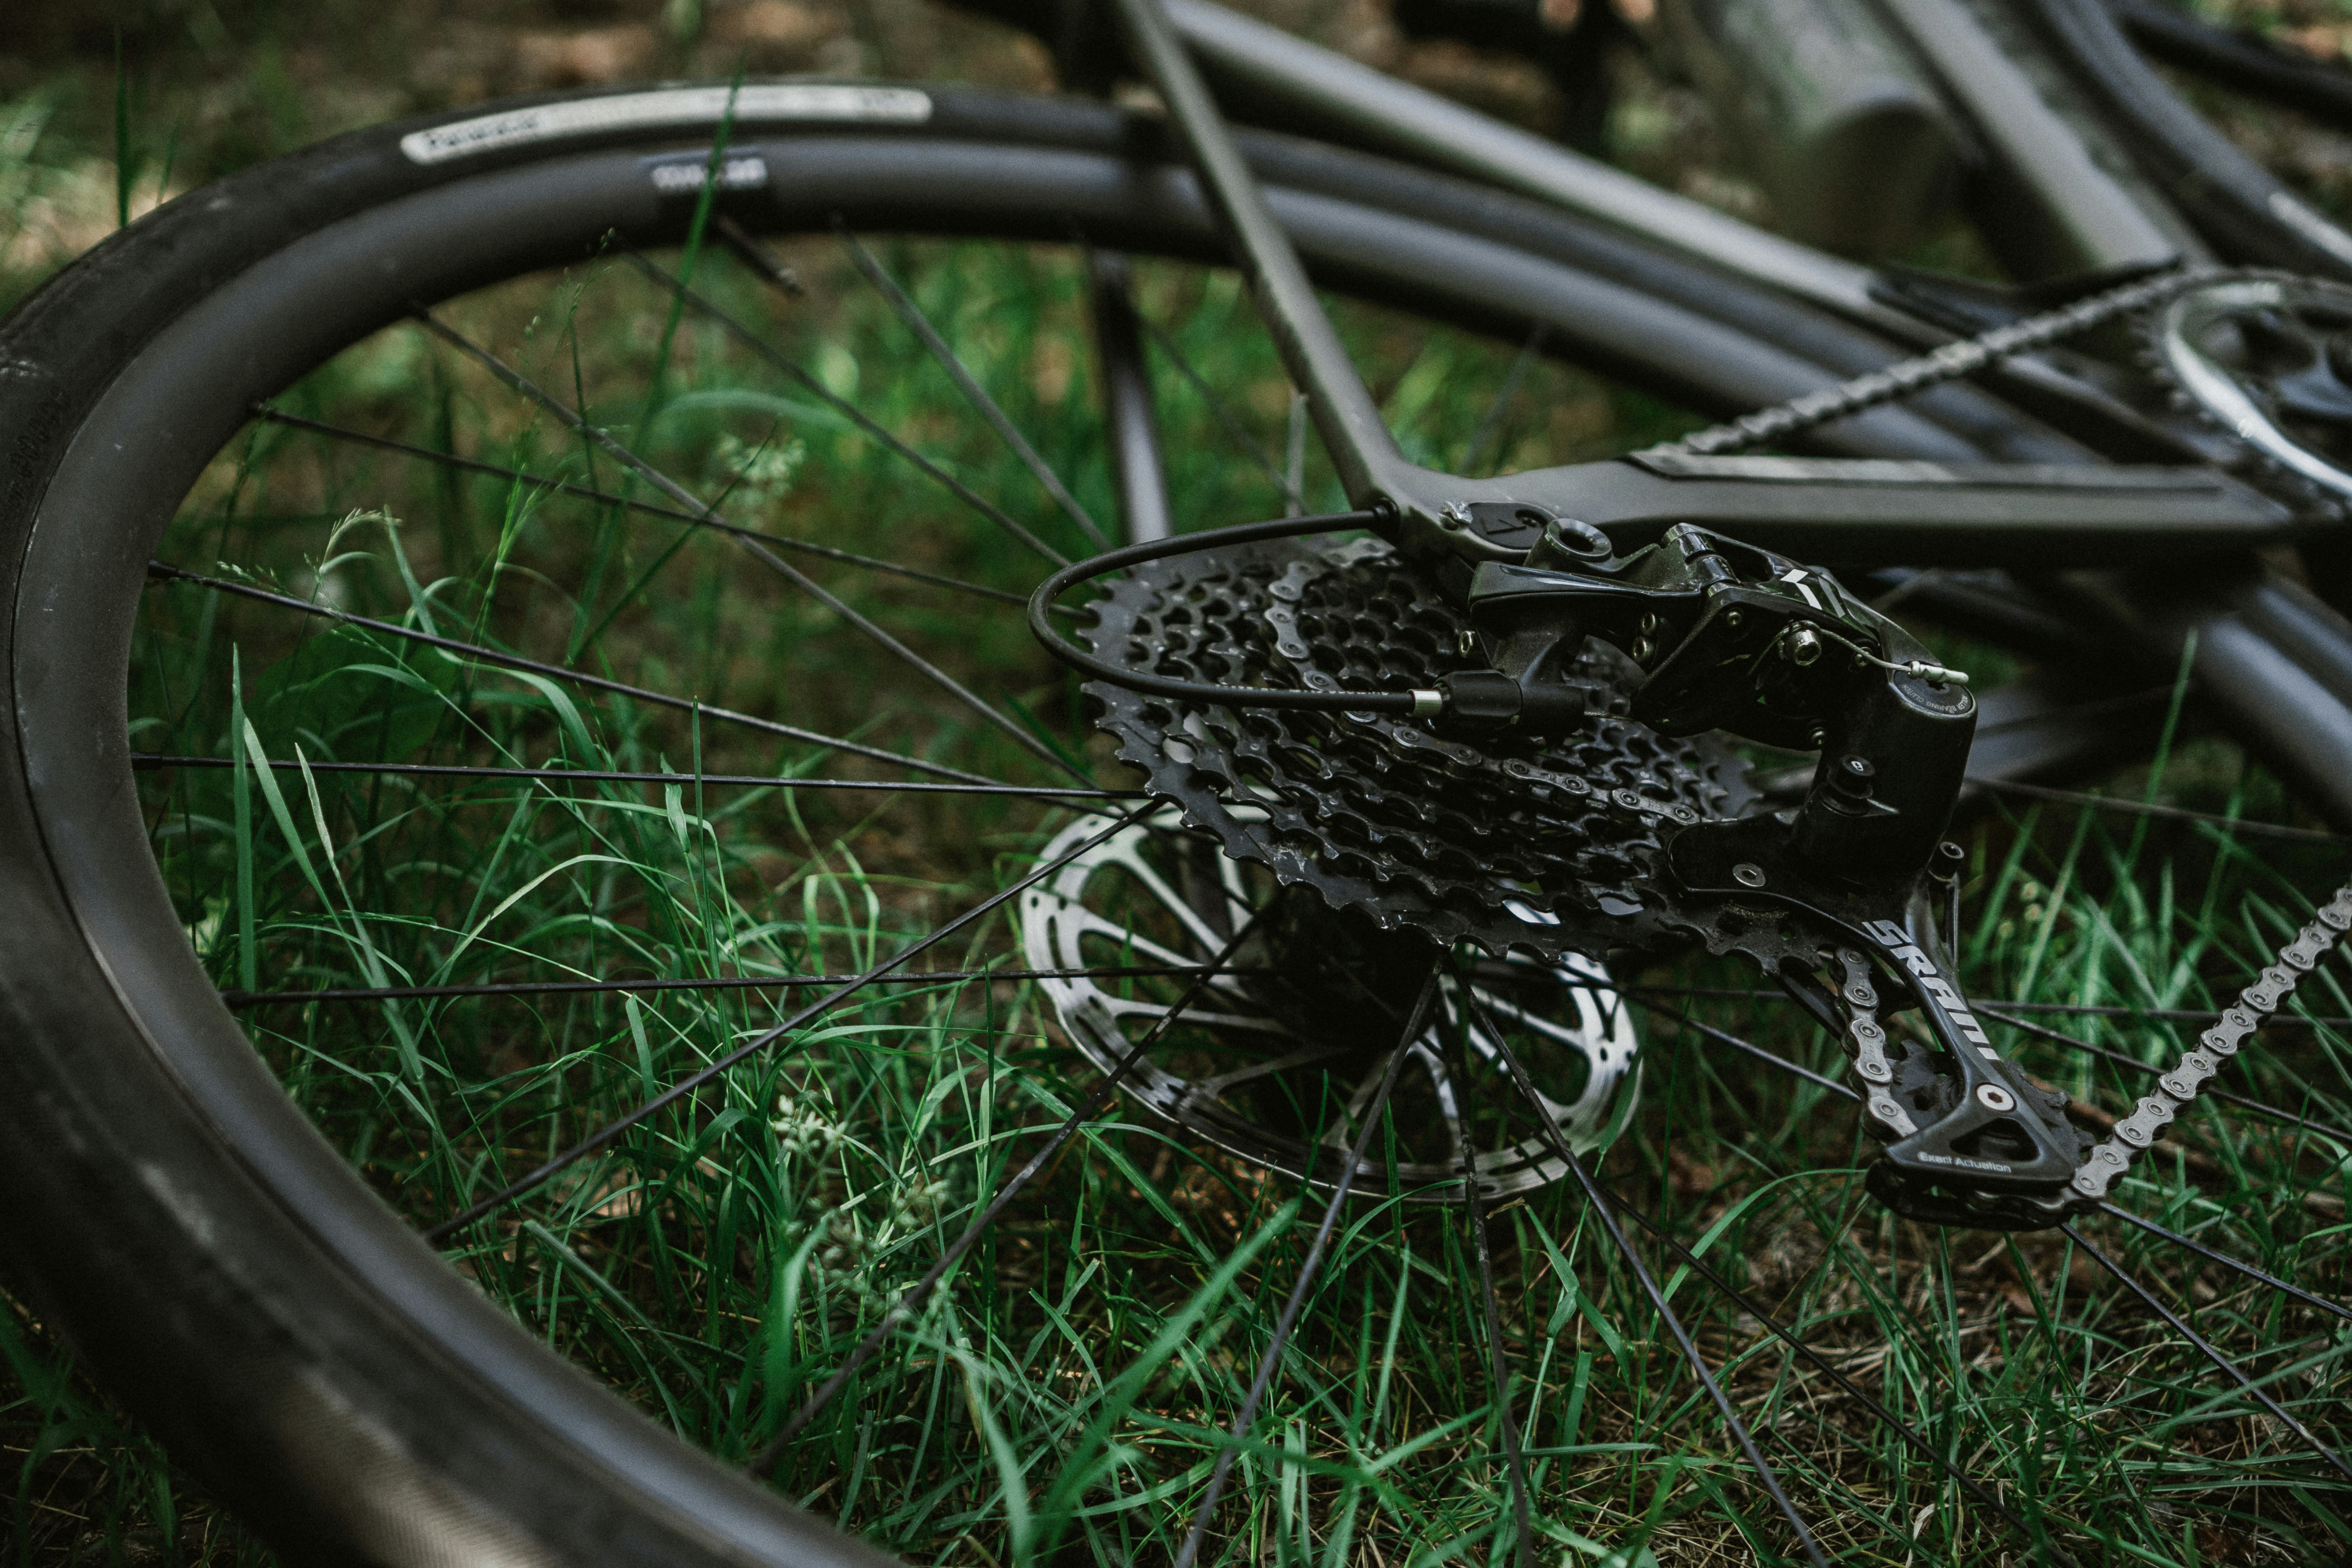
1234 430
661 481
1601 1211
2226 1261
757 257
2150 1069
2149 808
1308 1271
917 322
2208 1350
710 982
692 1081
1128 417
1048 793
2247 1270
705 306
1492 420
1725 1038
1498 1365
911 1303
1788 1336
651 509
166 572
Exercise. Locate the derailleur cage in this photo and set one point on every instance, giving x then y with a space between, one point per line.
1969 1139
1736 638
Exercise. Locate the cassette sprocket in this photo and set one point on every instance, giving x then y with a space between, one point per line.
1544 845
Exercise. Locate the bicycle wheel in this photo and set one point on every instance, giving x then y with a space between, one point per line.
424 843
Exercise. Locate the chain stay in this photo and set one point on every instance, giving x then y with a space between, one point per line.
2216 1046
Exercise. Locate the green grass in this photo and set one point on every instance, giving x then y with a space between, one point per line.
1063 1399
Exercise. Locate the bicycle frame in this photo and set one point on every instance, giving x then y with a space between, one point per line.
1854 511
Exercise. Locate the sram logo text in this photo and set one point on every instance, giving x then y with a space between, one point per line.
1932 985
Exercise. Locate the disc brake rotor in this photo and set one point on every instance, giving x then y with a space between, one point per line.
1276 1061
1365 846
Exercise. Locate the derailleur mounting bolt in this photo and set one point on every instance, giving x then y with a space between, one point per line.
1996 1098
1854 777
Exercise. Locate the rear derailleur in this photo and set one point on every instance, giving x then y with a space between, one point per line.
1736 638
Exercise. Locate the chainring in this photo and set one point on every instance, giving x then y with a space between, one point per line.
2265 359
1543 846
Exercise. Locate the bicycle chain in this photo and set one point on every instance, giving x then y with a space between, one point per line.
1962 357
1867 1044
1886 1081
2216 1046
1866 1041
1396 892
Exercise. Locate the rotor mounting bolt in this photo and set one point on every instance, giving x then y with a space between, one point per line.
1995 1097
1748 874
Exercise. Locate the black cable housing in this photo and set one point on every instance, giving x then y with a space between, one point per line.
1041 604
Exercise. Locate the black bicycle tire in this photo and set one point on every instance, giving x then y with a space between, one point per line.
2243 61
215 1261
2238 206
